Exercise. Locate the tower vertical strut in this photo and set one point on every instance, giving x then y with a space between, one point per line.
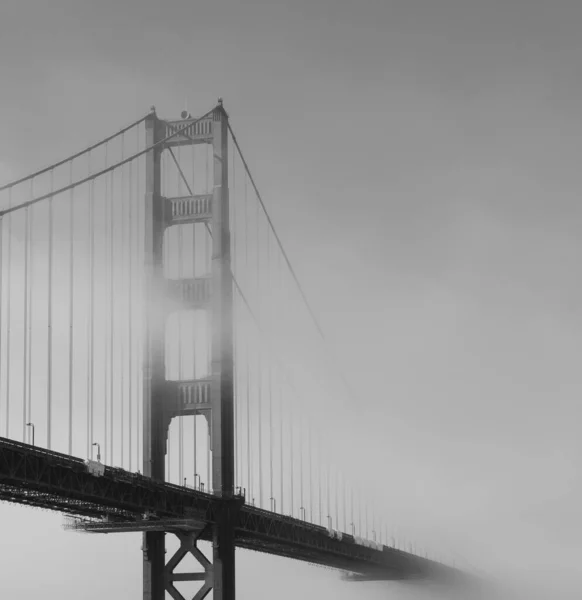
222 367
160 403
154 435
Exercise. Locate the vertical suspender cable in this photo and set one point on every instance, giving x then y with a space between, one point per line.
1 292
280 398
121 336
194 276
130 318
209 250
8 315
328 489
310 473
248 394
269 382
194 435
92 317
291 457
360 512
165 259
235 327
180 338
30 309
336 494
366 509
107 266
208 465
89 229
138 255
25 324
352 524
196 474
259 373
345 504
302 509
50 319
112 263
281 446
194 253
71 305
319 478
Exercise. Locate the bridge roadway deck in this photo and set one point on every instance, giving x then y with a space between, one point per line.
37 477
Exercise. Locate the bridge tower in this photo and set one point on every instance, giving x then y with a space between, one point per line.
211 397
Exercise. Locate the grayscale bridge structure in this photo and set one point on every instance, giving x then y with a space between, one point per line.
145 350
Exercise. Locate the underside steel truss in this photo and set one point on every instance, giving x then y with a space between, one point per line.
188 545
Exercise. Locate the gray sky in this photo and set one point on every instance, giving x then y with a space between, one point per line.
420 159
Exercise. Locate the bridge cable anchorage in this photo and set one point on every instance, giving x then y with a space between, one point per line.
103 171
74 156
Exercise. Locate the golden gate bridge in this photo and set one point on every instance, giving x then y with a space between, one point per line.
162 370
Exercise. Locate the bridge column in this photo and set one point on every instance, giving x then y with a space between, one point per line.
154 429
222 367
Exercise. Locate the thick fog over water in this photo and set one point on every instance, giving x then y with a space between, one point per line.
420 161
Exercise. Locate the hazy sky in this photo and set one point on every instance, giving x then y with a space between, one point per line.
421 161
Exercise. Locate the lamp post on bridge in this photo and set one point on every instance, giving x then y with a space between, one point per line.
195 476
31 425
273 504
98 451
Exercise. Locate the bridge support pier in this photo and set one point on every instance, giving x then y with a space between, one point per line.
154 557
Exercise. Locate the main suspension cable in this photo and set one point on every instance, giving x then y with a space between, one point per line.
74 156
103 171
